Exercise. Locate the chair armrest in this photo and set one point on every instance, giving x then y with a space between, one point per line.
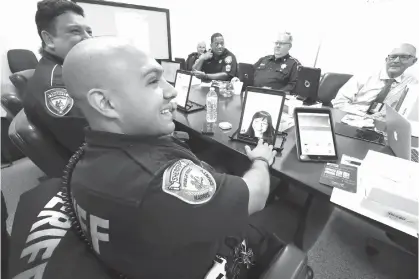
44 152
289 263
11 102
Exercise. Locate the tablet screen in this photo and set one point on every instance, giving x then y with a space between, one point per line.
316 136
170 69
182 84
260 116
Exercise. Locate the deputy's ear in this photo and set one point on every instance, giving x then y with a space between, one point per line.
99 100
48 39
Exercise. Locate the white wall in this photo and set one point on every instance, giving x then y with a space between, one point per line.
355 35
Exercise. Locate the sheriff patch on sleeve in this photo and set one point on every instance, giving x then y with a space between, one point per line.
58 102
189 182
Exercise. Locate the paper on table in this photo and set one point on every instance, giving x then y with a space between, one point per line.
357 121
353 202
206 84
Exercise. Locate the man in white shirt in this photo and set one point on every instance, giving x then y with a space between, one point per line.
367 94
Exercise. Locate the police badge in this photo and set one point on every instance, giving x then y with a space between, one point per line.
189 182
228 59
283 66
58 102
228 68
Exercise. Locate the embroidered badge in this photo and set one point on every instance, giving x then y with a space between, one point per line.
58 102
189 182
228 68
283 66
228 59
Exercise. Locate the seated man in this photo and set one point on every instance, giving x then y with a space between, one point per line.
42 244
201 48
148 206
366 94
278 71
61 25
216 64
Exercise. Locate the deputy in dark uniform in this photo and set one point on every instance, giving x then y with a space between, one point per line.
43 246
61 25
147 204
278 71
201 48
216 64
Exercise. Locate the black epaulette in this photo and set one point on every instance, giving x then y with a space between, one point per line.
295 59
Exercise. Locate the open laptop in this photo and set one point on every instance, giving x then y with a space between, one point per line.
307 85
170 68
399 135
182 85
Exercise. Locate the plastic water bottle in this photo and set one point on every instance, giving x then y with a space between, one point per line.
212 101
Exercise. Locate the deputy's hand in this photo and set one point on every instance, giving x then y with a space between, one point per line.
207 55
261 150
199 74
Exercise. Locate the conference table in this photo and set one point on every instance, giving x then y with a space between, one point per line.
286 165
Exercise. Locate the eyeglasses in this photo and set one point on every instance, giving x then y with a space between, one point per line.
281 43
402 58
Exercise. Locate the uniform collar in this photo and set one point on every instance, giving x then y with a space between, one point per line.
384 75
52 57
120 140
222 55
283 58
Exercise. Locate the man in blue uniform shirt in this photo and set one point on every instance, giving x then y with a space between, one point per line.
148 206
61 25
216 64
278 71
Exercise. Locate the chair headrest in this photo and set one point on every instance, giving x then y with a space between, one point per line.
21 59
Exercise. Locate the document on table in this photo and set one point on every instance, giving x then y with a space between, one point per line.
353 202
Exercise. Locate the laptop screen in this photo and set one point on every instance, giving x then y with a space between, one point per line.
170 69
182 86
260 115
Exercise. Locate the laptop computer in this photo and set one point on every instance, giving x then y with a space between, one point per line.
307 85
246 74
182 85
170 68
399 135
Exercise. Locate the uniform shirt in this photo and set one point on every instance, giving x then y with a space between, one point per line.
42 244
226 63
190 61
280 73
151 210
360 91
49 107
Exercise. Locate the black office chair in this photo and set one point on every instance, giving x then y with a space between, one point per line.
182 62
246 74
330 85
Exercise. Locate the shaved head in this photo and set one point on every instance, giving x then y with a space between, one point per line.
119 87
399 59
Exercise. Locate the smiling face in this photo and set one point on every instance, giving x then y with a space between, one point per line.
70 29
400 59
260 125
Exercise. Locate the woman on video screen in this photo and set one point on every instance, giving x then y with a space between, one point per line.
261 127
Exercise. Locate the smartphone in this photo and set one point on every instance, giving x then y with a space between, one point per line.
208 128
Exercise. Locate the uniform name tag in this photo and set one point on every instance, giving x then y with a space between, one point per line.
189 182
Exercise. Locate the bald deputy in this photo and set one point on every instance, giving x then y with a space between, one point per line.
278 71
147 205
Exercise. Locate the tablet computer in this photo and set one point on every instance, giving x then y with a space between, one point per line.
261 115
183 82
315 135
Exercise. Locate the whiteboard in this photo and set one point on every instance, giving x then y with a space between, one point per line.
146 27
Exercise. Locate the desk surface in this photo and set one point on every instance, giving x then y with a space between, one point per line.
286 164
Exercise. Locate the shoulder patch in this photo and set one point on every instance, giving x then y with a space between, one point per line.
189 182
228 59
58 102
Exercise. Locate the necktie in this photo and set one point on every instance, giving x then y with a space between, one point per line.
384 92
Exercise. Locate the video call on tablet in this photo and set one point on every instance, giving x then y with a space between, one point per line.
261 115
315 134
